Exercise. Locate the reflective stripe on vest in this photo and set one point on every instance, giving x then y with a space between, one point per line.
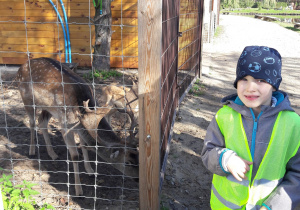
227 192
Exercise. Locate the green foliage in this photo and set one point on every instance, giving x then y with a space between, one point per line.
197 89
281 4
19 197
259 6
104 75
230 3
272 3
164 208
236 4
266 4
246 3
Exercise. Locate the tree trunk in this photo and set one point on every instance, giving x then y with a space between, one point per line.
101 59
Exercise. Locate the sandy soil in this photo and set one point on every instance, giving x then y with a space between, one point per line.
187 182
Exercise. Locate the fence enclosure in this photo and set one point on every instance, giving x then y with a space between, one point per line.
162 38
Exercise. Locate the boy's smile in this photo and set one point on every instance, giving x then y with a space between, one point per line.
251 97
254 92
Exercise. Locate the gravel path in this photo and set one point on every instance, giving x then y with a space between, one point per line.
240 31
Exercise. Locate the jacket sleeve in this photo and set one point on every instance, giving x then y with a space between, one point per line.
287 194
213 149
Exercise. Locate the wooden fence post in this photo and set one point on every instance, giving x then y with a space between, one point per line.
150 64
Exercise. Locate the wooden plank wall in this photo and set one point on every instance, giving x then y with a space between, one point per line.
189 26
124 44
191 15
42 35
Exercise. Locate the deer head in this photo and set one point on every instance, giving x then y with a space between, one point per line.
91 118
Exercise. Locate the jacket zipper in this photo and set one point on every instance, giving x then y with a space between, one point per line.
255 122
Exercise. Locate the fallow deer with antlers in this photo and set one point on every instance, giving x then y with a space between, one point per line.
47 86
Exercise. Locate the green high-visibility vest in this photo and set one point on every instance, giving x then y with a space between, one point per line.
227 192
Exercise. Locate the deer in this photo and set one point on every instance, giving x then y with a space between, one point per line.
125 100
56 91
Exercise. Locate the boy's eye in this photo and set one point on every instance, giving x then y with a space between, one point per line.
244 79
261 80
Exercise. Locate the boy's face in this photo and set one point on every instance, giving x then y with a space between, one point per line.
254 92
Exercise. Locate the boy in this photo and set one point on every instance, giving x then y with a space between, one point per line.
252 144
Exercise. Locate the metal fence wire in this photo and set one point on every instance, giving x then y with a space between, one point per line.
181 61
49 89
81 158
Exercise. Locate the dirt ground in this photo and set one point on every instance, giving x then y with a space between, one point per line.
187 183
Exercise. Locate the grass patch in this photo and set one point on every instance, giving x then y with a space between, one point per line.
197 89
102 75
257 10
282 17
289 26
219 31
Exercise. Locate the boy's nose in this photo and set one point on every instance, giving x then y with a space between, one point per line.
251 86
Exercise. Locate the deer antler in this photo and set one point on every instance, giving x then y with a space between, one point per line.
101 111
86 106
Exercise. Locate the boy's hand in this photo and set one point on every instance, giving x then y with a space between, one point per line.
263 208
238 167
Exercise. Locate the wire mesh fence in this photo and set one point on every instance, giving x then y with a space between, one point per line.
84 122
51 91
54 176
181 60
190 26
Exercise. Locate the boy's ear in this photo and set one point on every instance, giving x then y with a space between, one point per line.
274 89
